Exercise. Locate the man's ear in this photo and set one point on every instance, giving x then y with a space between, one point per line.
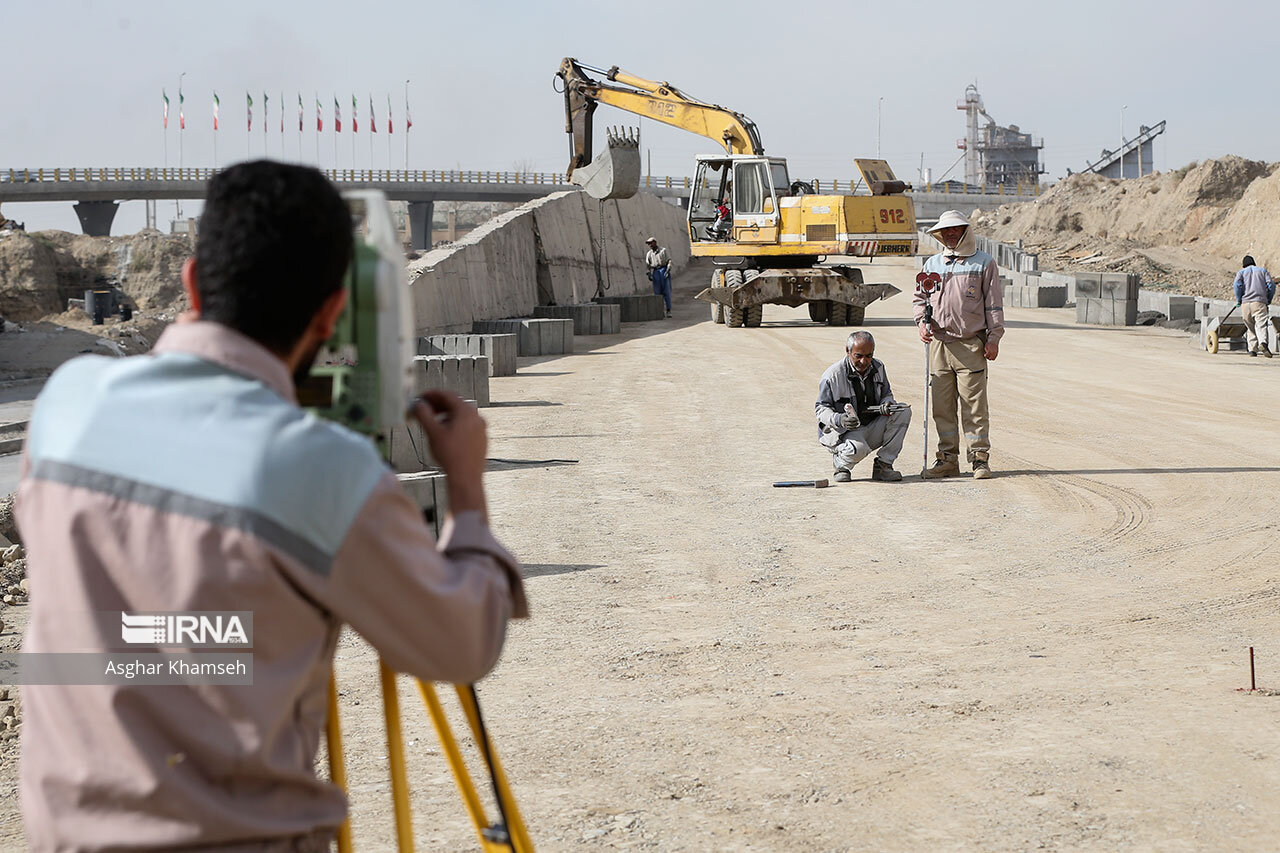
189 286
326 319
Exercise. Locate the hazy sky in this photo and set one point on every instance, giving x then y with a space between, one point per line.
83 79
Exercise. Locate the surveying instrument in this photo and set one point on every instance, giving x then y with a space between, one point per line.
928 282
363 379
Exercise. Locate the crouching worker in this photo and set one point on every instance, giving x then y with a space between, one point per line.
857 413
188 479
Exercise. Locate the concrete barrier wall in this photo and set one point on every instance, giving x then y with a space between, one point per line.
543 252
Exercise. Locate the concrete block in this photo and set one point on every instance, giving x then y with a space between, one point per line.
1173 305
465 366
1088 284
1106 312
637 308
1119 285
408 448
434 373
610 319
1044 296
480 379
499 350
429 491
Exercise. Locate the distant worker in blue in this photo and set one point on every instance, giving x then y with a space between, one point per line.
658 259
1254 290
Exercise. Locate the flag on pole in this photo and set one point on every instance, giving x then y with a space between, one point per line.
337 116
182 119
299 112
249 98
391 128
265 111
355 113
282 115
408 119
216 104
165 95
373 120
319 115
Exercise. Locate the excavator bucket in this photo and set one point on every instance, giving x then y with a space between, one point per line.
615 173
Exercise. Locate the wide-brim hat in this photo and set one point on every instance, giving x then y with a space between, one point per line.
950 219
652 240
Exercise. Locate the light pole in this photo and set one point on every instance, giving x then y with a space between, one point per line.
879 106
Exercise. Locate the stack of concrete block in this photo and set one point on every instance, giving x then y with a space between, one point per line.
499 349
534 335
638 308
1107 299
464 374
429 490
1026 290
591 318
1174 306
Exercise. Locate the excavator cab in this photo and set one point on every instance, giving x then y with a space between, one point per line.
751 186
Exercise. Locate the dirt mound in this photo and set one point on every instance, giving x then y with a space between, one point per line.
1185 229
39 272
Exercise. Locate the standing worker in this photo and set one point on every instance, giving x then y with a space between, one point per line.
189 480
658 259
857 413
968 322
1254 289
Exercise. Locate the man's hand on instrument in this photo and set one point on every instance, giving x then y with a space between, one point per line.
926 334
849 420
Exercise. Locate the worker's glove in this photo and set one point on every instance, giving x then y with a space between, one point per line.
849 420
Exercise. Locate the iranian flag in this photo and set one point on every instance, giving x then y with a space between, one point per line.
391 128
249 98
299 112
355 113
182 119
282 115
319 115
165 95
408 119
337 116
216 104
373 120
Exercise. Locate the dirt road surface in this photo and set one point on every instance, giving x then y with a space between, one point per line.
1048 659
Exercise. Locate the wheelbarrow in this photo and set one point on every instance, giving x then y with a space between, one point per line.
1228 330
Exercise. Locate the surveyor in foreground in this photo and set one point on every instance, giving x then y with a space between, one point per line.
189 479
968 322
857 413
1254 290
658 260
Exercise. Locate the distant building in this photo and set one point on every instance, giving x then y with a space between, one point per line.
994 155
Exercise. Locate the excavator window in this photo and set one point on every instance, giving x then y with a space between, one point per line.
711 186
781 180
751 183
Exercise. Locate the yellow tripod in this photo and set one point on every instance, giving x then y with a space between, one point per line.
507 835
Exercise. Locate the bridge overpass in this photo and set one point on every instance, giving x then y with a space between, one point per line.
97 192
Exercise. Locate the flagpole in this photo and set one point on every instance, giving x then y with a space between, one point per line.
390 130
406 127
355 124
181 122
335 134
318 114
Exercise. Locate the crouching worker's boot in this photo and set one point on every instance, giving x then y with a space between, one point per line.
883 471
1265 350
948 467
842 475
981 468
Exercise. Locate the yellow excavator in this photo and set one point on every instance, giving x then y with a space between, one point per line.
773 240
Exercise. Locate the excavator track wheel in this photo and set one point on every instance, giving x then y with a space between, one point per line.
838 314
1211 341
753 316
819 310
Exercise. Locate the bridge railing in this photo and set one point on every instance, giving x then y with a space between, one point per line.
111 174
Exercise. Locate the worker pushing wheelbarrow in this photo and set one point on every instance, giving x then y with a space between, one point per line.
1254 290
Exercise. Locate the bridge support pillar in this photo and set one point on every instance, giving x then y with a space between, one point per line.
420 213
96 217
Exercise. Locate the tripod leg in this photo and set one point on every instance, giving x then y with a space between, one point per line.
395 758
926 406
337 764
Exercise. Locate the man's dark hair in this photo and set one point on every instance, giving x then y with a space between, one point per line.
275 242
1248 261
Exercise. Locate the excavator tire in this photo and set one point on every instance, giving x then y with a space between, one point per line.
855 315
717 310
819 310
838 314
734 317
755 314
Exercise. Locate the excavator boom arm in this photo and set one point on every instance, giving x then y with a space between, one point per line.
655 100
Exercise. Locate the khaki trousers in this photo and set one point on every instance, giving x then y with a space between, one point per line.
1256 319
958 377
